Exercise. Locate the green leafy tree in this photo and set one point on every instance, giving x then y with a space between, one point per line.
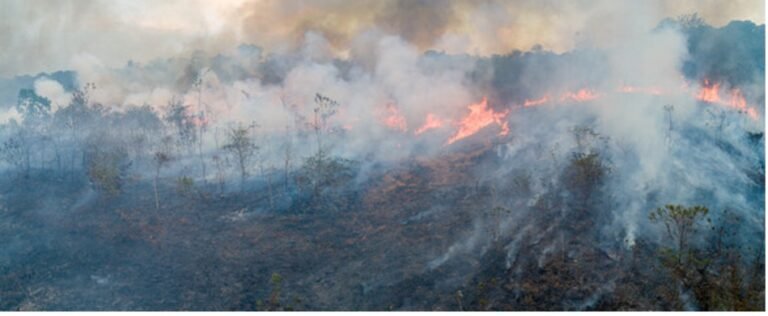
242 147
321 176
322 171
141 127
717 275
680 223
583 178
105 167
177 115
185 185
78 116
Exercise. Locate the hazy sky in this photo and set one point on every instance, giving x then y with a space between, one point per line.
46 35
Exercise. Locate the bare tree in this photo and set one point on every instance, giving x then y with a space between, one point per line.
202 122
325 108
287 156
668 109
177 114
219 162
15 152
585 138
718 120
160 159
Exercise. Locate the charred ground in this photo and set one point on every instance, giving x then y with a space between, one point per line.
548 189
428 234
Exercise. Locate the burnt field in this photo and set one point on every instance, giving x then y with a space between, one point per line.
382 156
429 234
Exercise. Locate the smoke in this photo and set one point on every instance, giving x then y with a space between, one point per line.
44 36
561 80
54 91
8 115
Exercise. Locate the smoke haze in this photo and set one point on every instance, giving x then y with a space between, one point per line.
573 118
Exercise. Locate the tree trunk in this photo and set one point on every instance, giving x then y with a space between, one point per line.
154 184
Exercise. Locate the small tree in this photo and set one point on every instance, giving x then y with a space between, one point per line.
321 175
320 167
715 274
287 150
690 21
220 162
177 114
142 127
668 110
496 214
680 223
585 138
160 159
15 152
202 121
277 286
105 167
324 110
718 120
33 108
242 148
584 176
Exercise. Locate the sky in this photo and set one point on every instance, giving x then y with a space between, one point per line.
47 35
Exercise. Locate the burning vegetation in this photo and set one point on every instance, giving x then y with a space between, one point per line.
390 178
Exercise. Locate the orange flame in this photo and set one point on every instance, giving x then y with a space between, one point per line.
582 95
740 103
535 102
479 117
645 90
394 119
709 92
430 122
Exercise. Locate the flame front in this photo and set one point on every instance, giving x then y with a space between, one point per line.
394 119
644 90
480 116
582 95
431 122
709 92
738 102
535 102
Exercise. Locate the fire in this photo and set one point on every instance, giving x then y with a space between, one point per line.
740 103
535 102
582 95
737 99
645 90
430 122
394 119
709 92
480 116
